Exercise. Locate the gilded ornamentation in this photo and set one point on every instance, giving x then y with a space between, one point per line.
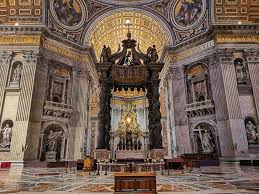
25 2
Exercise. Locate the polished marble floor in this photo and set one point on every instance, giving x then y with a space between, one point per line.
225 179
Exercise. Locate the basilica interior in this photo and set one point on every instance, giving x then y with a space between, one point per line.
91 90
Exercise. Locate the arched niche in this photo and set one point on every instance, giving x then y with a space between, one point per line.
205 138
15 74
53 131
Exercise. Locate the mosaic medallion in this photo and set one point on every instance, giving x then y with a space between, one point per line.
69 13
187 13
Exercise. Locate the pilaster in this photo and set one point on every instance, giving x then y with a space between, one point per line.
36 111
233 119
5 60
20 130
180 128
252 58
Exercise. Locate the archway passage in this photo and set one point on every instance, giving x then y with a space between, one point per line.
110 29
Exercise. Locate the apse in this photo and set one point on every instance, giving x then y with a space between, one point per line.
111 29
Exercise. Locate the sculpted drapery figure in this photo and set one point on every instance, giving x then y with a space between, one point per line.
241 71
17 74
7 136
207 144
106 54
152 53
52 140
252 134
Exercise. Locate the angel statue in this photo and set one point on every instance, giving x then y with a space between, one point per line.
106 54
152 53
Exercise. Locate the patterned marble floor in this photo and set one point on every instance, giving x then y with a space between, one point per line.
225 179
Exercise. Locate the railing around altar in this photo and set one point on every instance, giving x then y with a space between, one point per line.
105 167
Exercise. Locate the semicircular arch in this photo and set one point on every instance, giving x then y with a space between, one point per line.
109 28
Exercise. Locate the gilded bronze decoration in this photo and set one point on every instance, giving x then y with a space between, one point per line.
129 68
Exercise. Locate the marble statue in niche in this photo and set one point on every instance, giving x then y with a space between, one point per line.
68 12
207 145
16 76
205 139
6 133
241 71
252 133
187 12
52 140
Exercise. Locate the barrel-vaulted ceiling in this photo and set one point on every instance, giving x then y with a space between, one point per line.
111 30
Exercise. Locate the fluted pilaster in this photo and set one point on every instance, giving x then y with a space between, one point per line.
5 60
235 121
253 67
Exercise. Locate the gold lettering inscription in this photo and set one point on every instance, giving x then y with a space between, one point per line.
19 40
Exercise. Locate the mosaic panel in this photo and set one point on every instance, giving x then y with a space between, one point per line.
229 11
21 11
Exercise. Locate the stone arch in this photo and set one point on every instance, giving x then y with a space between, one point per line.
214 133
61 149
47 124
169 35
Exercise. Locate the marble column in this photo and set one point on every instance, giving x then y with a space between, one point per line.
154 114
229 118
104 116
180 128
252 58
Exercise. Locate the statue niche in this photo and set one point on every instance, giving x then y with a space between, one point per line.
54 143
251 131
6 134
16 74
241 71
204 139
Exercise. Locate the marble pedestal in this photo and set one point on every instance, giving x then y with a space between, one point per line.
157 154
102 154
51 156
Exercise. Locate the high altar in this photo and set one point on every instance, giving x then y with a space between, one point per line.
130 136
